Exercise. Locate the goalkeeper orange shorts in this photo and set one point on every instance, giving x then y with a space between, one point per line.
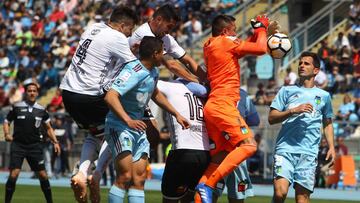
225 127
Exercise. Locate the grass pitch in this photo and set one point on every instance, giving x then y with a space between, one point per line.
33 194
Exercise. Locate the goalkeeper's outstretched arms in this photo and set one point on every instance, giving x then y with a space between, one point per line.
256 45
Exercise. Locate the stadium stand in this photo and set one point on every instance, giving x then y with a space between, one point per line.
38 39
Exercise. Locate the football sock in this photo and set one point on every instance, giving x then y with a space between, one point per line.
136 196
231 161
45 187
88 153
10 189
210 169
104 158
116 195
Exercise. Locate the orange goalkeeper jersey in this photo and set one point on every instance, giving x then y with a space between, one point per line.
221 55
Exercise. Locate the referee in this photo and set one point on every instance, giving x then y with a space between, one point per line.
26 141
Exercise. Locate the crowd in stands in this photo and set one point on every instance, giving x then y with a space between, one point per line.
38 38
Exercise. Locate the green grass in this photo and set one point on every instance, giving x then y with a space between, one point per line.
33 194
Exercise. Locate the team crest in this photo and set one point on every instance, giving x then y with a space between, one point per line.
244 130
317 100
242 186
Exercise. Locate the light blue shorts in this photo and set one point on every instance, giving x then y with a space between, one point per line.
121 139
238 184
296 168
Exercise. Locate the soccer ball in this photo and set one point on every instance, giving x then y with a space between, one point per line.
278 45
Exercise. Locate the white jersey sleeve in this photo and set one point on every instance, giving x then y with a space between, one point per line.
171 47
98 58
190 107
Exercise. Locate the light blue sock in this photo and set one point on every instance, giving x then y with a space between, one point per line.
116 195
136 196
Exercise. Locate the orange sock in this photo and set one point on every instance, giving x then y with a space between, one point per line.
210 169
231 161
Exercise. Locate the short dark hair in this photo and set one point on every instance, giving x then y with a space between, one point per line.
26 86
148 46
168 12
314 56
219 23
123 13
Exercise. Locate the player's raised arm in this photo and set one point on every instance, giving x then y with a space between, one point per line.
257 43
175 67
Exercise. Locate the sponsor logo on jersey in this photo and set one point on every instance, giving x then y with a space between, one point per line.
95 31
122 79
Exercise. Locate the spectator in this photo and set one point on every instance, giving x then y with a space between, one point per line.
260 96
346 108
56 102
354 11
340 148
194 28
61 162
321 80
291 76
227 6
324 50
14 96
335 81
322 167
270 91
341 41
4 60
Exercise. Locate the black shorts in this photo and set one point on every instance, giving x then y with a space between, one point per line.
183 170
32 152
148 114
86 110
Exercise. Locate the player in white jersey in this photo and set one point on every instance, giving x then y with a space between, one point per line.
189 155
102 50
125 132
163 21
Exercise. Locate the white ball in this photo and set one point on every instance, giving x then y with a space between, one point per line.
278 45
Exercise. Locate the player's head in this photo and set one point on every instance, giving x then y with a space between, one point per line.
309 65
164 20
151 49
123 19
223 25
31 91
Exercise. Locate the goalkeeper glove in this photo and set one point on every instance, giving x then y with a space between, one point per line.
261 22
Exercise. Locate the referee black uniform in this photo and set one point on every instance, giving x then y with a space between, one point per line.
27 138
26 142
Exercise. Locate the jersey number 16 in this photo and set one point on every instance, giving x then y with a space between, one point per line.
195 106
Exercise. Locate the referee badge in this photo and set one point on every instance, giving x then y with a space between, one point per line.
317 100
38 122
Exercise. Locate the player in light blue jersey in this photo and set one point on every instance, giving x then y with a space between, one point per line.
124 129
238 183
303 110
